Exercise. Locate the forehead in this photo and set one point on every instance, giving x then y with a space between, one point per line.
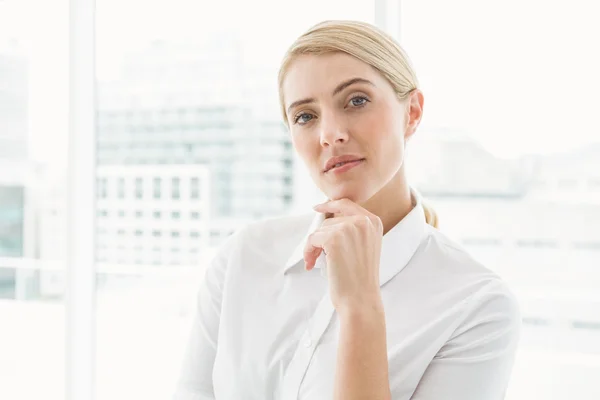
312 76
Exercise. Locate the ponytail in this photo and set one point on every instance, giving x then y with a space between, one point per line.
430 215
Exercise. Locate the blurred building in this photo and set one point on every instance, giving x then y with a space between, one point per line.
16 173
190 104
535 220
196 108
152 215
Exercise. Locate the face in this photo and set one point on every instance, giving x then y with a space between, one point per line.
338 105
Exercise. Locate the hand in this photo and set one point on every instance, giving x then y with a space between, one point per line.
351 240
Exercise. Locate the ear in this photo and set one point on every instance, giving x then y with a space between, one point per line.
414 112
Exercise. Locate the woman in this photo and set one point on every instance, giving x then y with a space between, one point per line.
400 311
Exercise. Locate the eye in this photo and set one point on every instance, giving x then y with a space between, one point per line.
358 101
302 118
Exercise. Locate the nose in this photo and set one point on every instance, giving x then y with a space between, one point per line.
333 131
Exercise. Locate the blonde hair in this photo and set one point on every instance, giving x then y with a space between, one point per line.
366 43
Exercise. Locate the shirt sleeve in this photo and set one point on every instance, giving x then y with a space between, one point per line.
477 360
195 380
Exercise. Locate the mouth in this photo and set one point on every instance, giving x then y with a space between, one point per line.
344 166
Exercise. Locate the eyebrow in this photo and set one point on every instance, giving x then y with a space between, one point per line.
337 90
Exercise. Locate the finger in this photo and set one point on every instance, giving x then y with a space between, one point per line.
315 244
310 258
343 207
330 222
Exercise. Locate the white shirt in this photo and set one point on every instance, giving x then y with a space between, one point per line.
265 328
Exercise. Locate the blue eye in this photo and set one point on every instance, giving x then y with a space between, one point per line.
362 101
300 116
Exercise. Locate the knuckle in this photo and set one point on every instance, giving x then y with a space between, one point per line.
362 221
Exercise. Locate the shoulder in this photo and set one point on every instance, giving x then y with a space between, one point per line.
451 269
448 258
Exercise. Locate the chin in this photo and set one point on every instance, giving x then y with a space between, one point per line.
355 193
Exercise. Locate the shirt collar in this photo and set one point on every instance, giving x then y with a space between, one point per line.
397 247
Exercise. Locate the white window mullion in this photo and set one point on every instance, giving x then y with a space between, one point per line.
388 16
80 290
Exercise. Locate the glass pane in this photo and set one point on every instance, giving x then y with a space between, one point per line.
33 128
188 117
509 155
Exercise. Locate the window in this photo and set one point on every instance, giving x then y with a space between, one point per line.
139 214
139 232
194 234
539 243
588 245
102 188
121 214
156 188
156 233
481 177
482 242
156 214
175 188
175 214
175 234
139 188
121 188
195 215
195 188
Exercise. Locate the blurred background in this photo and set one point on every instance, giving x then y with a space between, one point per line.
189 147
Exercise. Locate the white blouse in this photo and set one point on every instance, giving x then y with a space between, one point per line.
265 327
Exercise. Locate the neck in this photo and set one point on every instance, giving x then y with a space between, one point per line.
392 203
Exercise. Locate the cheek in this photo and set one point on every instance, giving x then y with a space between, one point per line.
386 139
305 148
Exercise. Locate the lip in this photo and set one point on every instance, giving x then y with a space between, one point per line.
347 158
346 167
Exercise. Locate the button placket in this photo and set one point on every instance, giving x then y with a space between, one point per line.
305 350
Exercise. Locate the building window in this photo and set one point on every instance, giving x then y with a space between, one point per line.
537 243
121 214
139 214
139 233
175 214
102 188
587 245
120 232
482 242
156 188
195 215
175 234
139 188
156 233
175 194
102 213
195 188
121 188
157 214
194 234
